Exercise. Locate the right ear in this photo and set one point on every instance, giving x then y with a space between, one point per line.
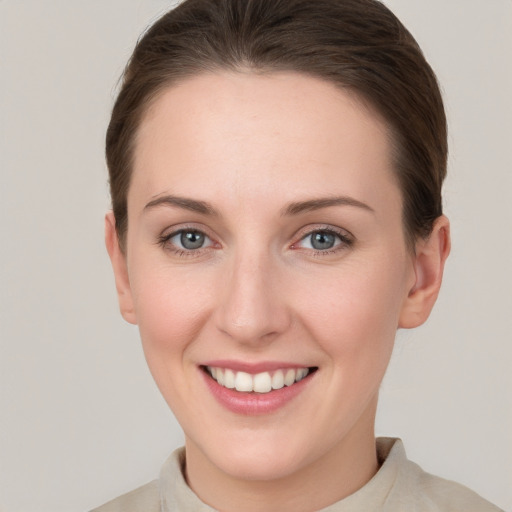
118 260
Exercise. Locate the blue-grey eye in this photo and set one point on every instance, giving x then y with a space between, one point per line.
321 240
190 240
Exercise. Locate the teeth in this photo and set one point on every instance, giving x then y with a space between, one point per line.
220 377
278 380
289 377
263 382
229 379
301 373
243 382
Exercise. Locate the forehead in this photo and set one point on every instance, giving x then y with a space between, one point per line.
245 132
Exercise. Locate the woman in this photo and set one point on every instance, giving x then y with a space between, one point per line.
276 172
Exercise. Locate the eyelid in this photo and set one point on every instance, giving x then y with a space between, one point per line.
180 232
346 238
171 231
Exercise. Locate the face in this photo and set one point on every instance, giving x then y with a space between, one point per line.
266 267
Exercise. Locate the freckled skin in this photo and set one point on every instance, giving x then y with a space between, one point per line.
249 145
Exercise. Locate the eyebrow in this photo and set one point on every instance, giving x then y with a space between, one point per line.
294 208
317 204
182 202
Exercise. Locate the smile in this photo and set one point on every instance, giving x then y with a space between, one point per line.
263 382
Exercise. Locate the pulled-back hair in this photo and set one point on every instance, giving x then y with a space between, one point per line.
358 45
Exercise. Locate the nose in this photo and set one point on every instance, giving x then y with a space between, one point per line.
252 308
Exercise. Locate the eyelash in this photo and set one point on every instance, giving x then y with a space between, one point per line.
345 241
164 242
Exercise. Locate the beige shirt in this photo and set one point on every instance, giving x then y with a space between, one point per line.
399 486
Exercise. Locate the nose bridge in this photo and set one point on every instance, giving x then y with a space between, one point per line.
252 307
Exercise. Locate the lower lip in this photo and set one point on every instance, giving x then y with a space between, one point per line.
252 404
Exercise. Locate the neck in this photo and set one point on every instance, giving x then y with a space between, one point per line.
346 468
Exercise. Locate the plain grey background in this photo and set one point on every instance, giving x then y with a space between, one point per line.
81 420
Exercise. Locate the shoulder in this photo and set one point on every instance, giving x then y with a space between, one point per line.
434 494
142 499
409 488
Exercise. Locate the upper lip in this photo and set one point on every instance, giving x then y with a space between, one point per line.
254 368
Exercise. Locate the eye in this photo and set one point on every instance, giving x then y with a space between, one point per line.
321 240
324 240
187 240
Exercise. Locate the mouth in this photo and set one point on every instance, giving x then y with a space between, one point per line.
260 383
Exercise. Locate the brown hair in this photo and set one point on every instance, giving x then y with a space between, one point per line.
355 44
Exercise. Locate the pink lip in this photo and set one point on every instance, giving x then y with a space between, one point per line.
252 404
252 368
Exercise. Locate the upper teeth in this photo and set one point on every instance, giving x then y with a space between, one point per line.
260 383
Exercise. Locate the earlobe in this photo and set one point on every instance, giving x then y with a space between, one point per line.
429 261
118 260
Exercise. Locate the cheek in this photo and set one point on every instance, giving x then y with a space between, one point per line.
171 311
353 314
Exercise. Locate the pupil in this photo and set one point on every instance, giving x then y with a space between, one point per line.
192 239
322 240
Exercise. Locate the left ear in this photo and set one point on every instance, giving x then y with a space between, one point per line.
428 261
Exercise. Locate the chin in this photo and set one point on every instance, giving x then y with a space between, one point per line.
257 467
257 456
